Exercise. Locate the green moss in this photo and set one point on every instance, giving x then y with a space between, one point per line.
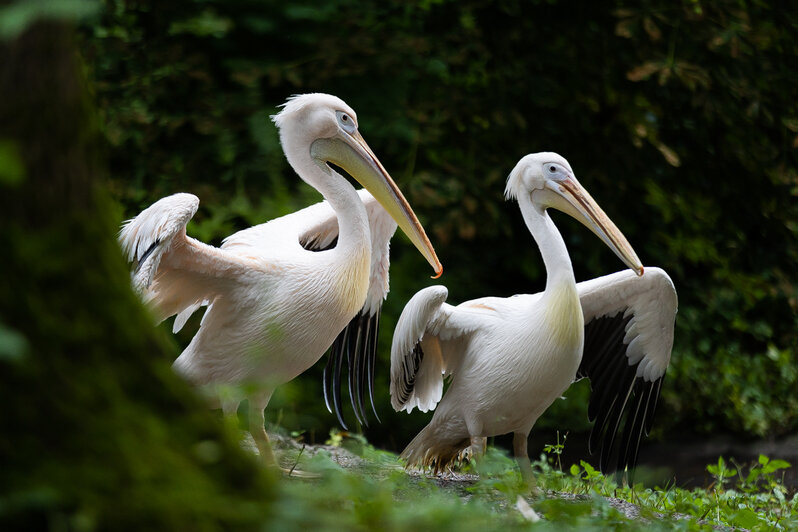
98 432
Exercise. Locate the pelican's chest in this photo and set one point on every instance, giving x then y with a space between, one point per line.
564 319
310 310
348 282
549 360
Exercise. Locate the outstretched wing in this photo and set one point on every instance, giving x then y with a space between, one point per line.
358 341
172 271
315 227
427 346
629 324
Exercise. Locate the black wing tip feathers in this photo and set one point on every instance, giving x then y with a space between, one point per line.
358 344
144 256
622 405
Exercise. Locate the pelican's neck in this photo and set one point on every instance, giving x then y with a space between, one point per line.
563 312
353 225
559 271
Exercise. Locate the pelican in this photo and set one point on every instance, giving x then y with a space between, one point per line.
279 293
510 358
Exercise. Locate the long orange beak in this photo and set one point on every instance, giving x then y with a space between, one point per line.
351 153
571 198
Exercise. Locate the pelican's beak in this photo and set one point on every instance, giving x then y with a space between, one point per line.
350 152
570 198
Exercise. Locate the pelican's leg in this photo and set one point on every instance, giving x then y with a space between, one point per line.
257 421
230 412
522 457
229 407
475 451
478 446
257 427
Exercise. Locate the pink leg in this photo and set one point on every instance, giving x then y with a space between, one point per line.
522 457
257 404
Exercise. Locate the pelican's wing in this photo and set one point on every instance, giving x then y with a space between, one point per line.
427 346
173 272
628 339
288 233
313 228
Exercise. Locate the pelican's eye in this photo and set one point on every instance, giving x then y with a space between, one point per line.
555 171
346 122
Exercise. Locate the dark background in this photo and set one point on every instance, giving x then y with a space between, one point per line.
681 120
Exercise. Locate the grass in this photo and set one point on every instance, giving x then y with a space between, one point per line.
379 495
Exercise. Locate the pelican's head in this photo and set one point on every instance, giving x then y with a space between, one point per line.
546 180
324 128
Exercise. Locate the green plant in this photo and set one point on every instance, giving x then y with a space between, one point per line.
556 449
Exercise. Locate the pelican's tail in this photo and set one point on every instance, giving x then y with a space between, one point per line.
436 449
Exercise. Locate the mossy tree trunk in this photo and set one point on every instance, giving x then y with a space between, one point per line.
96 431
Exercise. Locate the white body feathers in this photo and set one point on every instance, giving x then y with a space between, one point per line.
274 306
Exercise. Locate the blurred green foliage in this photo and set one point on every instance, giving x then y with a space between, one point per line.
16 17
680 118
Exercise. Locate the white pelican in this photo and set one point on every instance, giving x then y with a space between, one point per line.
279 293
510 358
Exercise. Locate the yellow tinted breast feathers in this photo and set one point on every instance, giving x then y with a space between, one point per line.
564 316
351 282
